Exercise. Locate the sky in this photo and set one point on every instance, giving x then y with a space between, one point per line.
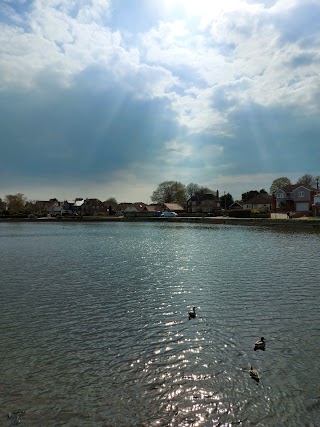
109 98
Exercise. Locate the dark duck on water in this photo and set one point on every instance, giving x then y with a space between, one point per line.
260 345
192 314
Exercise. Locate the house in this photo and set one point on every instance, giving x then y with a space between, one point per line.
138 209
123 206
316 205
260 201
294 198
152 208
72 207
77 206
111 206
204 203
139 206
236 205
132 207
171 207
67 207
93 207
56 209
48 206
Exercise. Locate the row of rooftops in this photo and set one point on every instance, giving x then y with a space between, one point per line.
78 203
291 187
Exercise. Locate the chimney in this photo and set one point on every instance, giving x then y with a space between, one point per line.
218 194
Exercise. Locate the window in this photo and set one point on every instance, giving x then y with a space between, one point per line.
280 195
301 193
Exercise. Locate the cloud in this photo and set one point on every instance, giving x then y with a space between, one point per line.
81 132
296 21
274 139
100 90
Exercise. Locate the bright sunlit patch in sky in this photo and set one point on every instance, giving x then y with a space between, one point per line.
203 8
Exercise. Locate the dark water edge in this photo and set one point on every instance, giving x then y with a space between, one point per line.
287 223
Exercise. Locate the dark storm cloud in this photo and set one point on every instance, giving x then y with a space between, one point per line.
80 131
272 139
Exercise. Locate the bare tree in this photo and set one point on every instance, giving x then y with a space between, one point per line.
192 188
307 179
170 192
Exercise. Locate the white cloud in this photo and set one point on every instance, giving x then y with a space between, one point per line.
173 59
218 69
243 44
57 41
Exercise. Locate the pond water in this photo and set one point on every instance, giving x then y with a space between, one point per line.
94 325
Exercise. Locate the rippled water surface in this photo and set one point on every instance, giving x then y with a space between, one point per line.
94 327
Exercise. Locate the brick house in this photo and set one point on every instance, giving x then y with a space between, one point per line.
93 207
260 201
294 198
205 203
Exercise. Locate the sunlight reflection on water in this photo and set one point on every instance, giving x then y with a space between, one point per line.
96 333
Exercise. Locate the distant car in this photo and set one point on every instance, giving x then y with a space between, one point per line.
169 214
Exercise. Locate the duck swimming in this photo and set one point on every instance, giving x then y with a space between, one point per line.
192 314
260 345
254 374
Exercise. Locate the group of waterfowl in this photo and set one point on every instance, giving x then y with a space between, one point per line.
259 345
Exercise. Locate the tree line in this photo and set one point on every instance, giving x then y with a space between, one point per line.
174 191
307 179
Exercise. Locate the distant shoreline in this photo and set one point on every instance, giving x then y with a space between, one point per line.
296 223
